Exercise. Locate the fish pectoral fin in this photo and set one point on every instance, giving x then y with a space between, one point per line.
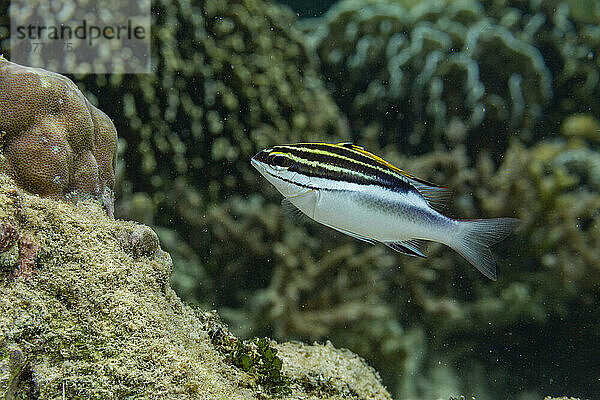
354 235
412 247
292 211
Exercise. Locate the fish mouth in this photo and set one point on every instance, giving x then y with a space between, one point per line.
255 164
259 161
261 157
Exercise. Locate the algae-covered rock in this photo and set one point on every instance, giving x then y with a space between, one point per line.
96 318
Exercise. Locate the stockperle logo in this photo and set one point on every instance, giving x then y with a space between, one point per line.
81 36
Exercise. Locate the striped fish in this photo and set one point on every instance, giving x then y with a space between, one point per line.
349 189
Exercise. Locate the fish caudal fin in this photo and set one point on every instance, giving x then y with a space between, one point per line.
477 235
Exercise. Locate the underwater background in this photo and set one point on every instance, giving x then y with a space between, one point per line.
498 100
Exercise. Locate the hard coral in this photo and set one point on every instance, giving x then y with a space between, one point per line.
232 77
425 74
411 75
53 141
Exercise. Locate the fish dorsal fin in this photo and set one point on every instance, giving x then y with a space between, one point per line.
350 145
436 195
412 247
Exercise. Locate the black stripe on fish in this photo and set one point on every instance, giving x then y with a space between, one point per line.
339 166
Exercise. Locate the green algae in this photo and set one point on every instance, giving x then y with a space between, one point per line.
257 357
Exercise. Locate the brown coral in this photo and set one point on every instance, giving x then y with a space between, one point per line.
53 141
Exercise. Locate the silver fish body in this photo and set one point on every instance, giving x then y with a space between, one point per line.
355 192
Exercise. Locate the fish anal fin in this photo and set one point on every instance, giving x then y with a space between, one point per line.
412 247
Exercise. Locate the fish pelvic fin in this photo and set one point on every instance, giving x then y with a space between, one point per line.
475 238
354 235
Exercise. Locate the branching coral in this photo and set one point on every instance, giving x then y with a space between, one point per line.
53 141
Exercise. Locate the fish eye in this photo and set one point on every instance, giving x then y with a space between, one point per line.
280 160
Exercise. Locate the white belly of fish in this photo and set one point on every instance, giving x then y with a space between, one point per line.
375 213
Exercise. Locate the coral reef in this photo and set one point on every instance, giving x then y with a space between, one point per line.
408 76
53 142
99 320
420 76
234 77
230 78
567 35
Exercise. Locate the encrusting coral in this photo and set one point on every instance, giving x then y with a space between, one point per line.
98 319
53 142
